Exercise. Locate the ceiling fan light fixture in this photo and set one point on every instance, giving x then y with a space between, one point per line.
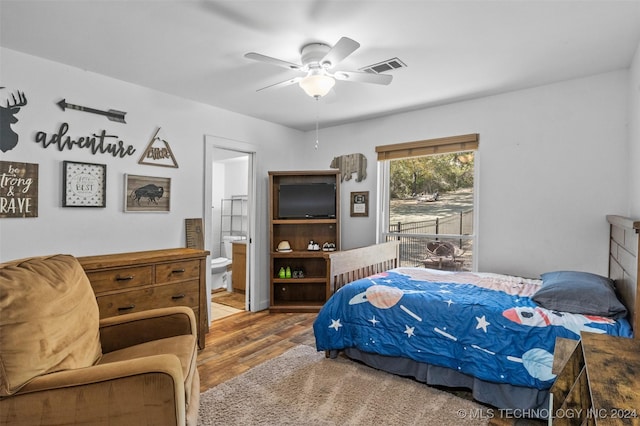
317 85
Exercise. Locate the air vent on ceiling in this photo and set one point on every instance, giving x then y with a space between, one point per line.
388 65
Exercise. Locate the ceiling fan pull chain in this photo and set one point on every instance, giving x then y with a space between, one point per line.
317 120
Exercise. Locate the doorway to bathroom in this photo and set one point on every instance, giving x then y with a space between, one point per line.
228 225
229 218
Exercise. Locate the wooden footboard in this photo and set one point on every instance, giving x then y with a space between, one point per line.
624 265
349 265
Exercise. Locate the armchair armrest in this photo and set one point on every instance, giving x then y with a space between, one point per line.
145 326
147 390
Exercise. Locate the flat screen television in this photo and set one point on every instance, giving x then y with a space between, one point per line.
307 200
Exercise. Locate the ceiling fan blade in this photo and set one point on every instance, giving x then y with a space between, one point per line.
343 48
282 83
363 77
274 61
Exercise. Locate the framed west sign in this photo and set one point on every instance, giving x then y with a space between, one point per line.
84 184
18 189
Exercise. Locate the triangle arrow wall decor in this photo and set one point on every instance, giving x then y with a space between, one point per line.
158 153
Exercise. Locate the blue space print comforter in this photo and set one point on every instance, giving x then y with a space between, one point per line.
481 324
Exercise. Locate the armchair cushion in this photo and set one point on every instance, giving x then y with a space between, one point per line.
62 331
183 347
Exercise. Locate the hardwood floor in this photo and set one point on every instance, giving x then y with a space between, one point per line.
241 341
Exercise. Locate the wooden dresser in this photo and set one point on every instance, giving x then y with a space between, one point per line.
138 281
598 381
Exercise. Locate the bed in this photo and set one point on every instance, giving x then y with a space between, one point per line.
492 334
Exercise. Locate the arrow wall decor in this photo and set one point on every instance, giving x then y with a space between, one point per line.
111 114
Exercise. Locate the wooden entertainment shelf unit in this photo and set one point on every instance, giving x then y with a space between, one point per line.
310 292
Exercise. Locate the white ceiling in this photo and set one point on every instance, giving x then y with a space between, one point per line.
453 50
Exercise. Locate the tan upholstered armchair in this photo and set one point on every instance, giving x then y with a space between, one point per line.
60 364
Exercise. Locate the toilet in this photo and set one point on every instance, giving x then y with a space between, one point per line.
220 266
220 278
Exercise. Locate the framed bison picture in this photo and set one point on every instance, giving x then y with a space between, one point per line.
147 194
84 184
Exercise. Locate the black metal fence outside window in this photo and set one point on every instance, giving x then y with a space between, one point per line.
442 243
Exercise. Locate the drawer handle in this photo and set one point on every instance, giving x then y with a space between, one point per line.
178 296
127 278
127 308
177 271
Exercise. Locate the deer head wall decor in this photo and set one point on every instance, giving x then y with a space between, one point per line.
9 138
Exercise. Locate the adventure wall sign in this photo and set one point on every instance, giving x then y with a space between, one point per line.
97 142
18 189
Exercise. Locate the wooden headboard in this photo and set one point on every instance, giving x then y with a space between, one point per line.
624 265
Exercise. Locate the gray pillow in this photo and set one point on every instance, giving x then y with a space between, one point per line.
579 293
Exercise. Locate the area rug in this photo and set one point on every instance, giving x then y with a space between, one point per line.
302 387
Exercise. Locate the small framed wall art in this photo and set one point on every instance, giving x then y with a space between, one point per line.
18 189
360 204
146 193
84 184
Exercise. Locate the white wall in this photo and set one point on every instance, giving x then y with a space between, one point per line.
236 174
87 231
552 159
218 171
634 136
553 162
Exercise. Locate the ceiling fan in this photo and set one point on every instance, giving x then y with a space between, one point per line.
318 61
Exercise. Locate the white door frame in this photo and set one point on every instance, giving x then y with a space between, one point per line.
210 144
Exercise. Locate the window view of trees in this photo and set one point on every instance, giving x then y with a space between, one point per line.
427 175
431 210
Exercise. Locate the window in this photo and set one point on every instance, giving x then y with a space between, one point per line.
427 194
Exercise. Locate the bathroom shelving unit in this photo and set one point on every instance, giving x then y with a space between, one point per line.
233 217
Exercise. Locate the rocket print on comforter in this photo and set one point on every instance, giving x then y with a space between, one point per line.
481 324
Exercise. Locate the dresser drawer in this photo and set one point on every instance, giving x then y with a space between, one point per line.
121 278
161 296
143 280
177 271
